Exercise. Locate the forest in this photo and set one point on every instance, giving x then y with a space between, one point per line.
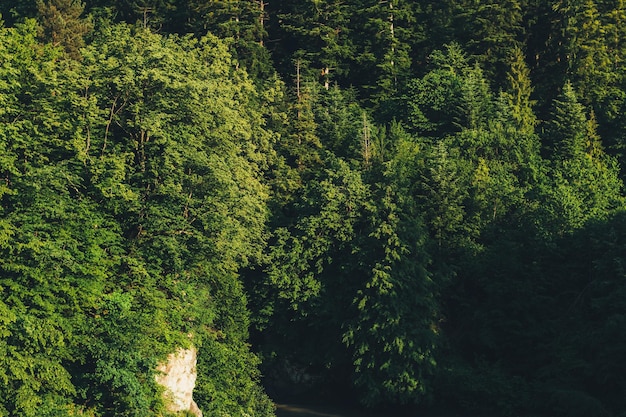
405 204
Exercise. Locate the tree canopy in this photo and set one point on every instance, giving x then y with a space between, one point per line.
405 204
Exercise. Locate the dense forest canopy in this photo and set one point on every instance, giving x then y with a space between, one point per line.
403 203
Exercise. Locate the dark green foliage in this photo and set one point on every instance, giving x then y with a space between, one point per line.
62 24
394 335
568 130
13 12
586 180
434 105
491 30
243 22
227 385
408 203
321 26
145 13
385 32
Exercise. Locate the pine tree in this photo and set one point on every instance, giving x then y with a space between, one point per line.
318 31
385 33
587 181
568 127
62 24
518 94
489 31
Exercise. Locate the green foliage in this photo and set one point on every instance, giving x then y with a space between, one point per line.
145 13
453 98
428 210
329 210
517 97
489 30
484 388
393 337
62 25
568 126
342 124
132 197
243 22
229 384
321 27
587 181
443 196
386 34
13 12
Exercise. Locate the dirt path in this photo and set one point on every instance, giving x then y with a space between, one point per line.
290 410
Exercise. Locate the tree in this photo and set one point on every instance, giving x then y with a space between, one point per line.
587 181
489 31
62 25
589 65
385 33
132 200
517 96
320 33
433 104
48 280
303 146
340 123
243 21
305 283
568 127
393 335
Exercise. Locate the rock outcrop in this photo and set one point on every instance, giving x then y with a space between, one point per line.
178 377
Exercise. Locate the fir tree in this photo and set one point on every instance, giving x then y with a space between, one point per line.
62 24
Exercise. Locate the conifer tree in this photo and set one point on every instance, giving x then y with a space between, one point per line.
62 24
318 31
385 32
243 21
393 333
568 127
304 144
434 104
587 181
518 93
489 31
589 65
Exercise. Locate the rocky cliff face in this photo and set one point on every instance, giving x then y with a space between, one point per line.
178 376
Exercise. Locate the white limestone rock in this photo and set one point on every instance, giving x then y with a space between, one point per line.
178 376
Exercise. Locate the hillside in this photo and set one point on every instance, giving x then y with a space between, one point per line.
396 203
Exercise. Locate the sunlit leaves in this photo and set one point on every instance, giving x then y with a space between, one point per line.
131 198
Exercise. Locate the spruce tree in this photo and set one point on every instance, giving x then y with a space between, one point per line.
317 32
489 31
243 21
518 94
385 34
568 127
587 181
62 24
